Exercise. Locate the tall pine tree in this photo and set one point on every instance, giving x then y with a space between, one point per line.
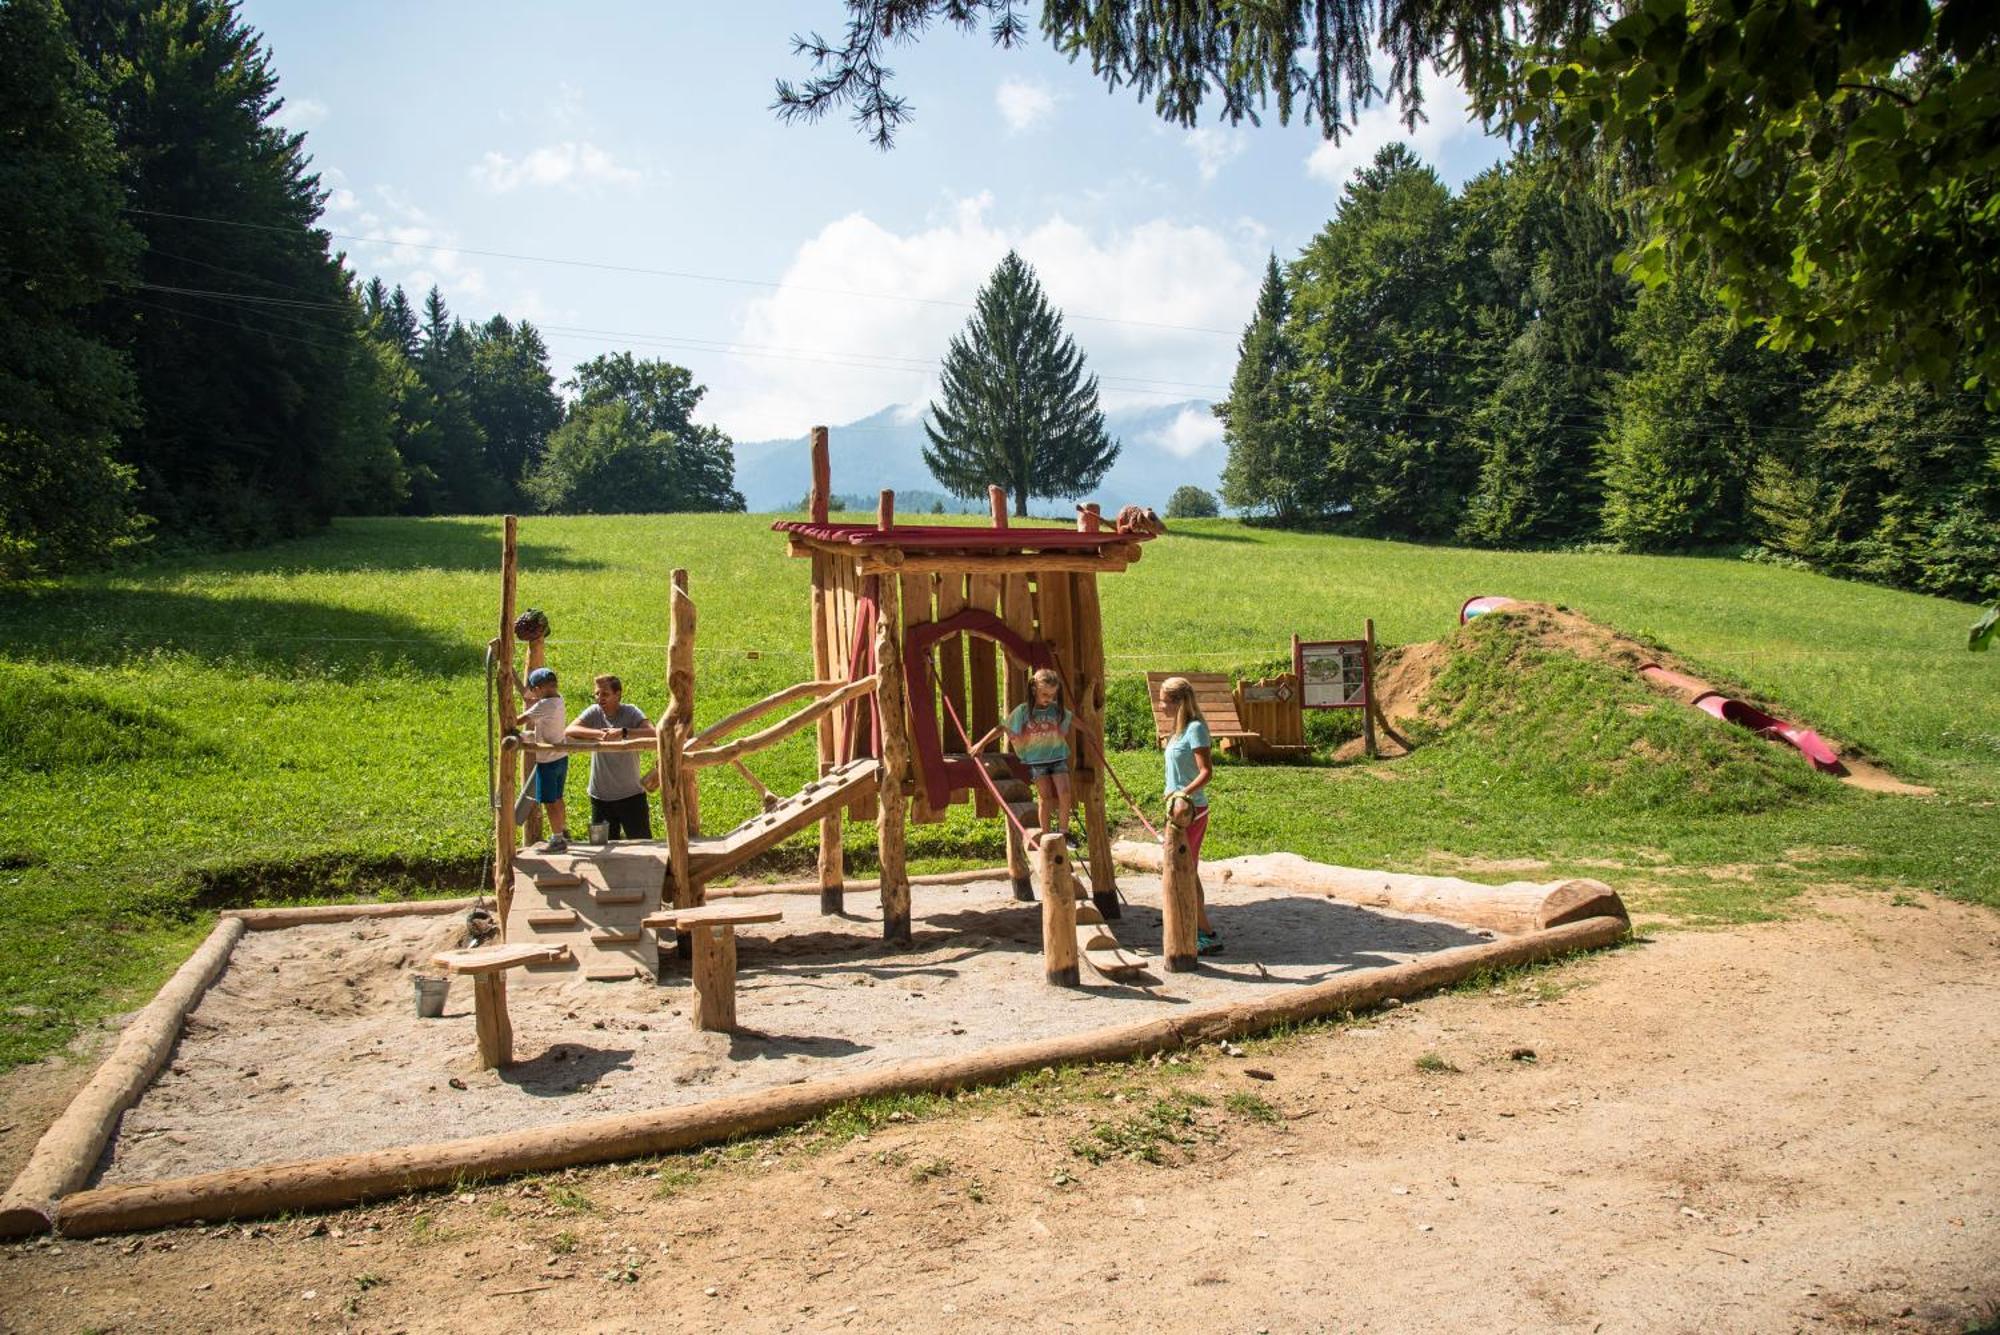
1018 410
64 395
1269 468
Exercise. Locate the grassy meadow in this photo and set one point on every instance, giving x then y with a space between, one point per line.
305 721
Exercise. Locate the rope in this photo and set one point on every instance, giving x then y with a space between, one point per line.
980 769
1104 761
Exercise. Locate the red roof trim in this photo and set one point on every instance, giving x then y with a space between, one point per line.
941 537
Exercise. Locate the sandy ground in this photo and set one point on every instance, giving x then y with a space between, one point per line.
309 1044
1783 1127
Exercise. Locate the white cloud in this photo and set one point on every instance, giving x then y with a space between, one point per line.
833 346
406 246
570 165
1213 147
1024 104
1191 429
302 113
1449 118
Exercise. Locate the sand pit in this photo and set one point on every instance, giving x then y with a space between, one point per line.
309 1045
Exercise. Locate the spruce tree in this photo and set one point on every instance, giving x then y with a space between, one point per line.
1018 410
1268 469
64 395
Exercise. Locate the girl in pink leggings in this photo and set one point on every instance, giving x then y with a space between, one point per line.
1188 773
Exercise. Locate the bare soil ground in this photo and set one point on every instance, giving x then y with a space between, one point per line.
1787 1126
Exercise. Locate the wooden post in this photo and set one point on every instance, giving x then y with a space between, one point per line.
1367 687
890 809
831 859
1058 911
1090 517
489 1016
714 976
672 738
1180 919
506 780
1096 755
680 689
996 500
1017 611
885 510
820 496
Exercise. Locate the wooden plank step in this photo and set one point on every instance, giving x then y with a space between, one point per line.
552 918
557 880
613 973
713 857
614 936
713 915
493 959
617 896
1100 949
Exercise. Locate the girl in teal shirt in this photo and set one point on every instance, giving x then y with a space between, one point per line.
1188 773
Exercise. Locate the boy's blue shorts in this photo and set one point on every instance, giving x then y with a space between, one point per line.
550 775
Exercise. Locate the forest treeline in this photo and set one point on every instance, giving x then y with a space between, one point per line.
1475 368
185 361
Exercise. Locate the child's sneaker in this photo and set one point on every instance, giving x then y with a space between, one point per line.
1070 839
558 843
1205 944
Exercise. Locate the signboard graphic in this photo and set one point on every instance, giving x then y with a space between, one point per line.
1333 674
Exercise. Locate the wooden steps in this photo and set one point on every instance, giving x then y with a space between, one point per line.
589 900
1100 949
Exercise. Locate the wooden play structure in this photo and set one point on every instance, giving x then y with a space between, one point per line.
923 637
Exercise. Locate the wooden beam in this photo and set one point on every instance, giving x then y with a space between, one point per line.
889 831
313 1184
1367 687
680 689
885 510
714 977
270 920
820 495
1112 561
703 757
1090 518
1091 778
724 726
66 1155
996 501
506 779
832 857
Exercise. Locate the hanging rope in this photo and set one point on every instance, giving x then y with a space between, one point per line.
1104 761
984 777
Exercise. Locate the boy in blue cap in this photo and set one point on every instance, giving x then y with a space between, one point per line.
542 722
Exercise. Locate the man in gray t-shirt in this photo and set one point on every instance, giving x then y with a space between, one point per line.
617 795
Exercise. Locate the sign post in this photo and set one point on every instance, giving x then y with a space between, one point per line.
1339 674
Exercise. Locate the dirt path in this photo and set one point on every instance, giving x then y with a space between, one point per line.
1794 1126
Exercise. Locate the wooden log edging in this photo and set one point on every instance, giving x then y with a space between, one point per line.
65 1156
351 1178
306 915
1517 906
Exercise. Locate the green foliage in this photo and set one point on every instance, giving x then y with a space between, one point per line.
1899 484
1830 162
1017 410
1148 1134
1192 502
65 500
304 723
1272 460
1980 638
631 445
1379 327
242 339
1688 424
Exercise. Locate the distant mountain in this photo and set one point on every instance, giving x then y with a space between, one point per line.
1164 446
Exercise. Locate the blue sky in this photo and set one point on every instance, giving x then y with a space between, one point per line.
804 275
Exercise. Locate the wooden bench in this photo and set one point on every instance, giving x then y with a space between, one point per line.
487 967
1215 695
713 927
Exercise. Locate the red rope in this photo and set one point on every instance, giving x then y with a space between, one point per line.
1104 761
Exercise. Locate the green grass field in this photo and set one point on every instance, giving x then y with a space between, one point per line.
305 722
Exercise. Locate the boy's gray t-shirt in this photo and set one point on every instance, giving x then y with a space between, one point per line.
614 774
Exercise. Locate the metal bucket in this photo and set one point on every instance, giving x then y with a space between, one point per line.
431 993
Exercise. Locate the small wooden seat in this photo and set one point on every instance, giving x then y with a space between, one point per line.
487 966
713 928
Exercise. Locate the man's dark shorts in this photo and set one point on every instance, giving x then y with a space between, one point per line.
629 817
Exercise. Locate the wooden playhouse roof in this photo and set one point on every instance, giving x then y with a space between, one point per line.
960 537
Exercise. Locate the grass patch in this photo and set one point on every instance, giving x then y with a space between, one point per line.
1148 1134
303 722
1432 1064
1245 1104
